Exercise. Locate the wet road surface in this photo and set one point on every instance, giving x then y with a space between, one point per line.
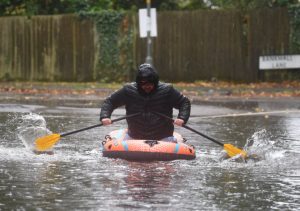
77 177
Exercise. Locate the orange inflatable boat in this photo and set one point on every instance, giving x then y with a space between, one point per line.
118 145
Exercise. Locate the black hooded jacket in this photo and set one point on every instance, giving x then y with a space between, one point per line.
162 99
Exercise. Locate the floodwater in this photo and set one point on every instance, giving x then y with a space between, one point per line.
77 177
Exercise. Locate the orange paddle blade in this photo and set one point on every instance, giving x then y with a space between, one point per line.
46 142
233 151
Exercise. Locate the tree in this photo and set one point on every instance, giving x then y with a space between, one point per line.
48 7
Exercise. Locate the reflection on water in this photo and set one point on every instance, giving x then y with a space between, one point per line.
78 177
144 182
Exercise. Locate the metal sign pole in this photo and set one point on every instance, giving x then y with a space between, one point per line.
149 41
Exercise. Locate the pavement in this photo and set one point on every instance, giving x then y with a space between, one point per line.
91 95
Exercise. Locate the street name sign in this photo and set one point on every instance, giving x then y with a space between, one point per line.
279 62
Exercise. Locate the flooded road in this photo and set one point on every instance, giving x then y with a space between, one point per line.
77 177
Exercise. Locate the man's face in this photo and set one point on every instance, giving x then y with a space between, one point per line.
147 86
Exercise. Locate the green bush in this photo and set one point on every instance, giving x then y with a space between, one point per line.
294 13
115 40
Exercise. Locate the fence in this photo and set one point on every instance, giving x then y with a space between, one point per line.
197 45
47 48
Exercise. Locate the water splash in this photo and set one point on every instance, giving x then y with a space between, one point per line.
30 128
264 146
260 146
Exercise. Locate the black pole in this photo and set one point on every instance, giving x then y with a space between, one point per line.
191 129
97 125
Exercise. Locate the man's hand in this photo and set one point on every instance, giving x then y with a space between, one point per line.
178 122
106 121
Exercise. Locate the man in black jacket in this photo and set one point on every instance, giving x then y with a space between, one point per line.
148 95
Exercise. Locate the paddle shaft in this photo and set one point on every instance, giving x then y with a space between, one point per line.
191 129
201 134
97 125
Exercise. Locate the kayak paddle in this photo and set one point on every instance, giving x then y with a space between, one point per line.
229 148
46 142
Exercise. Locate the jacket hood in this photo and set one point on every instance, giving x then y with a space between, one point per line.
146 73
